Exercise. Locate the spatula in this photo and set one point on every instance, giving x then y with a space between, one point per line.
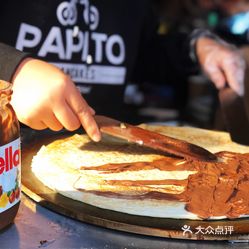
153 140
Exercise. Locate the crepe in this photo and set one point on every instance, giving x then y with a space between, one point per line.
131 179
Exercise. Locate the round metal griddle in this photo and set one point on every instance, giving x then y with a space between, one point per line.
232 230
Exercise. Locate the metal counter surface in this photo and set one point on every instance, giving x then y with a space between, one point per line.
38 227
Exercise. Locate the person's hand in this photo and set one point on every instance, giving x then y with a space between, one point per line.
222 63
44 97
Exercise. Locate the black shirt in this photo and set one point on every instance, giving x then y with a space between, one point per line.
100 44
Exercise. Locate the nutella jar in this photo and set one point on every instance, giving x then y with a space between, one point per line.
10 161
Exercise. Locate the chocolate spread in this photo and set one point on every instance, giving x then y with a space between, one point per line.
9 158
215 189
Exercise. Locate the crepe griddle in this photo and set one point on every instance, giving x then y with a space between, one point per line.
159 227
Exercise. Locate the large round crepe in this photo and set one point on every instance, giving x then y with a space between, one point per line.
63 166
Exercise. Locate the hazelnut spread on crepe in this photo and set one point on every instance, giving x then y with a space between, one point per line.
135 180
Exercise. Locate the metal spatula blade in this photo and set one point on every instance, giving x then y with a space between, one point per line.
153 140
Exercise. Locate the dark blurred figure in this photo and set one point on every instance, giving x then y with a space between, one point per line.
194 98
230 20
166 91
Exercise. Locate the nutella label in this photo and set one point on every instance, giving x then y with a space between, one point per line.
10 174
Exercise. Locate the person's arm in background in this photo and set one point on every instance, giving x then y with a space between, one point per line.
43 96
164 57
223 63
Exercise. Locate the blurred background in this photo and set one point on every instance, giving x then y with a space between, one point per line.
189 100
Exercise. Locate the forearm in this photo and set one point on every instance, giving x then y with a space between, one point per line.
222 62
10 58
